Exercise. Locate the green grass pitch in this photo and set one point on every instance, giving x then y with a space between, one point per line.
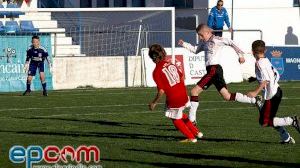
128 135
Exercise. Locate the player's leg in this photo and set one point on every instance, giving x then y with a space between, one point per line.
176 116
28 85
284 135
42 78
194 99
191 126
239 97
44 84
180 125
282 121
220 84
267 117
264 120
204 83
31 73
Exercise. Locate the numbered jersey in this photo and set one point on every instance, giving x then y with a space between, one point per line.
170 79
266 72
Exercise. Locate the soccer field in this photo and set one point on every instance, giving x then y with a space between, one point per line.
129 135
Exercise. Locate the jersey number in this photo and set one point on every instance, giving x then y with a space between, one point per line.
172 75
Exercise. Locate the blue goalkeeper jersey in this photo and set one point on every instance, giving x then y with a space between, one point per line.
36 54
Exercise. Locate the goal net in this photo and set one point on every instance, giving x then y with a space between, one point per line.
100 47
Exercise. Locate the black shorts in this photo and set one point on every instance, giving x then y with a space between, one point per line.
33 66
214 76
269 109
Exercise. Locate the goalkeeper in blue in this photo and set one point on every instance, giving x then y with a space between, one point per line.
268 78
36 55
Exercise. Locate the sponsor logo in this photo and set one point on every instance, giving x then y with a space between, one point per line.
35 154
277 61
8 53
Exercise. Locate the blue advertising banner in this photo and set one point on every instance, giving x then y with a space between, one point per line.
286 60
12 59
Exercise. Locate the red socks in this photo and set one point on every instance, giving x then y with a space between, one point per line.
186 127
190 125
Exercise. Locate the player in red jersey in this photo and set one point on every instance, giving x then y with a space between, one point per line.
170 81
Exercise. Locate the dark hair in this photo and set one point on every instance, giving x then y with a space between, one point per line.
258 47
157 51
219 1
200 26
35 37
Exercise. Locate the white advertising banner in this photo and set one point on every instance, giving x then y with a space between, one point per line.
193 65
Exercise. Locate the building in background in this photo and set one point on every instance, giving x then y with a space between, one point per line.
122 3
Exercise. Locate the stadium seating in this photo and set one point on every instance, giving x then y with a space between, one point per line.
40 22
14 14
2 14
27 26
11 27
2 28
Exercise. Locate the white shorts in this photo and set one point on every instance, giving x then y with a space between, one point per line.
176 113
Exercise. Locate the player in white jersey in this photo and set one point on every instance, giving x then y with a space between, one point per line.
211 45
268 78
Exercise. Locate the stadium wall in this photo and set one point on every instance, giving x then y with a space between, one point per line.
99 72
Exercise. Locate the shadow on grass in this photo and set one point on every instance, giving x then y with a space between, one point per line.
234 140
158 164
216 157
100 135
100 122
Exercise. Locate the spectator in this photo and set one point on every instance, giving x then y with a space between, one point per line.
290 37
217 16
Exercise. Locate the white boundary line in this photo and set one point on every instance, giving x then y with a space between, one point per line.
137 112
113 105
96 106
97 93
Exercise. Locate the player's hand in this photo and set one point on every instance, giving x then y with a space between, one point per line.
241 60
152 106
230 29
180 42
251 94
26 67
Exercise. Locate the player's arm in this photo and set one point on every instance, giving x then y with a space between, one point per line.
159 94
188 46
45 54
265 78
28 58
232 44
210 19
48 61
258 89
226 19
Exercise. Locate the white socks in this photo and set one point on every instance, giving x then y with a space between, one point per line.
193 110
244 98
282 121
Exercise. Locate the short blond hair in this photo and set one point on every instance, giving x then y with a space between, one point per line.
202 26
